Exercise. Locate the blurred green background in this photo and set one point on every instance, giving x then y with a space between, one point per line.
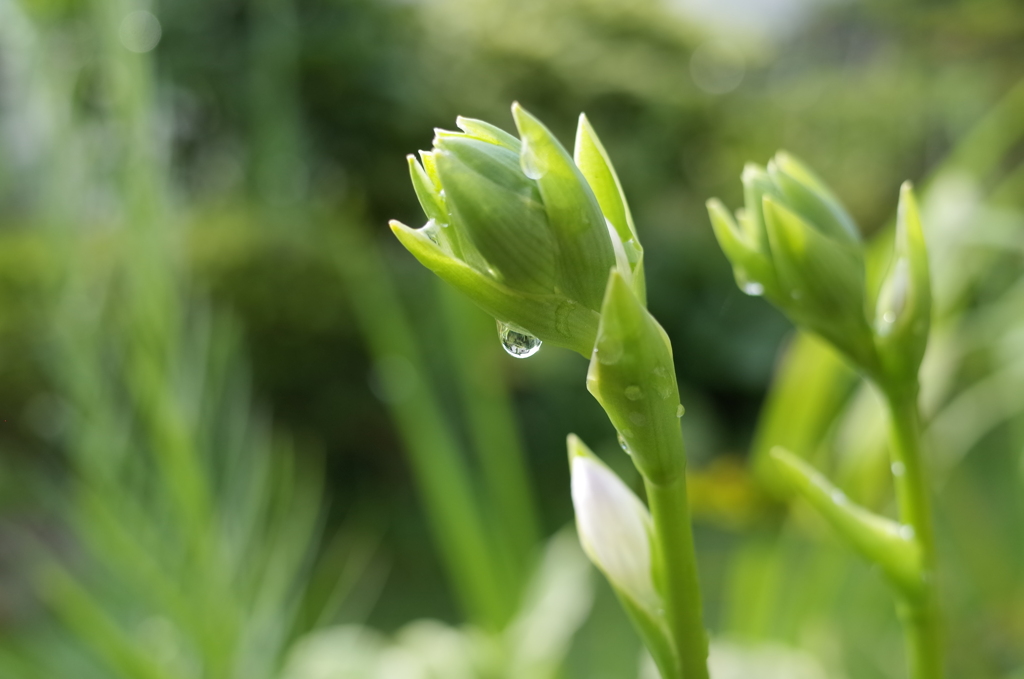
226 392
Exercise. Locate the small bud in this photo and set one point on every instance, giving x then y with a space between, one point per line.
796 245
615 528
516 226
632 376
903 312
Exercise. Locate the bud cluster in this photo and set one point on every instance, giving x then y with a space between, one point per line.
794 243
524 229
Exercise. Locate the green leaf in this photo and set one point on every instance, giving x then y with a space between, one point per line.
883 541
584 246
633 378
555 319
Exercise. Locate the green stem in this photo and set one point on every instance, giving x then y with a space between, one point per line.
437 462
919 611
671 513
493 432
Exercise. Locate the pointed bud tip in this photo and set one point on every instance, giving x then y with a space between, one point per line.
398 227
576 447
751 171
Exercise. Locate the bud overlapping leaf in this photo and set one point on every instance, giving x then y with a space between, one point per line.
521 228
615 530
795 244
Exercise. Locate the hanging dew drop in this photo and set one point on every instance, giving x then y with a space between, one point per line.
624 445
680 411
517 344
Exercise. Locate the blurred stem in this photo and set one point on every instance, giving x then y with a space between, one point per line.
919 612
673 530
473 343
439 468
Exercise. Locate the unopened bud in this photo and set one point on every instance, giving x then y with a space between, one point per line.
516 225
903 312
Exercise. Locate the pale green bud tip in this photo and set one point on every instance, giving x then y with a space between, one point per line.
613 525
903 311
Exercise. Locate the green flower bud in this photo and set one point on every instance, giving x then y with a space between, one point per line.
615 530
796 245
632 376
903 311
515 224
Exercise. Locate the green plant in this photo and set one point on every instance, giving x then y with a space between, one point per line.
796 245
531 233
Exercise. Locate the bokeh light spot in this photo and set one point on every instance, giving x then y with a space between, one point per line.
140 31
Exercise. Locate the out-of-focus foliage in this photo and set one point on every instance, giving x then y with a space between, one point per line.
254 131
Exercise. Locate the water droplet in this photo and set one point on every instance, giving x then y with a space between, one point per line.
907 532
839 497
680 411
517 344
753 288
431 231
634 393
889 317
637 418
898 468
624 445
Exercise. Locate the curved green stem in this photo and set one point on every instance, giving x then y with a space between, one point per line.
919 612
672 527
